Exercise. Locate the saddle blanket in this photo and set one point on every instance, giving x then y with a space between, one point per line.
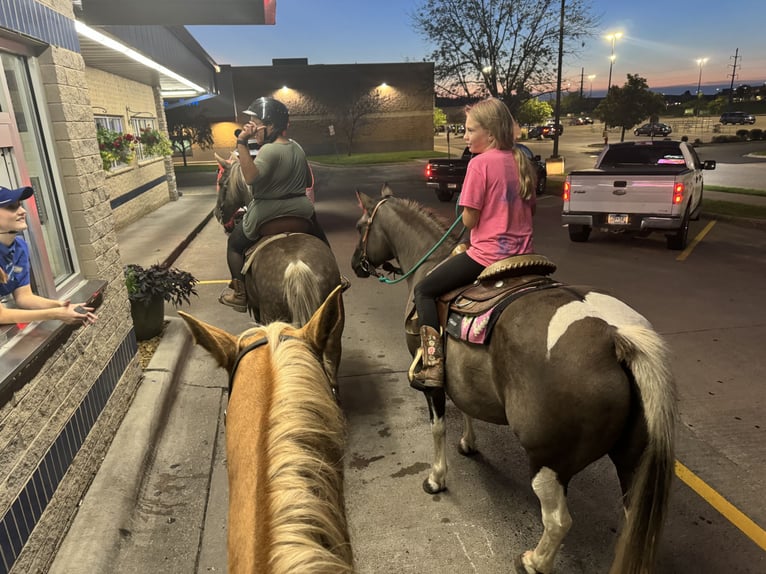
477 327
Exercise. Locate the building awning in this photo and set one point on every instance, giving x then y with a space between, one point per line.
175 12
168 57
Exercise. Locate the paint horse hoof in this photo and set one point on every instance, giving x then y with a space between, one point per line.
520 568
429 487
466 449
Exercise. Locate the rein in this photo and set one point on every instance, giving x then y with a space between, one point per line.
371 269
241 355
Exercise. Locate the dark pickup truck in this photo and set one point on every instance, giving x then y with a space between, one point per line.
445 176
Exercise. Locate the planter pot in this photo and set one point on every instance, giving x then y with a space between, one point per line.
148 318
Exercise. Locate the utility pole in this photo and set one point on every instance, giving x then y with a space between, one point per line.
582 80
733 75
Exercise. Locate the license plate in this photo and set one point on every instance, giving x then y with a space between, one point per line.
617 219
451 186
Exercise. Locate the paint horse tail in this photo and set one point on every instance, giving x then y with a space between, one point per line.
646 487
302 292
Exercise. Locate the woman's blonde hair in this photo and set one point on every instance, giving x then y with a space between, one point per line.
495 117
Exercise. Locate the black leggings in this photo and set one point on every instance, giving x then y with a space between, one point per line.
238 243
450 274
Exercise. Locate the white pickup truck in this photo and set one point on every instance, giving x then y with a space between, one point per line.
637 187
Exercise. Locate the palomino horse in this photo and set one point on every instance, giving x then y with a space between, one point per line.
289 274
285 440
576 373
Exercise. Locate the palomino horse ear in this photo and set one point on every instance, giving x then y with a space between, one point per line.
326 324
219 343
366 203
386 190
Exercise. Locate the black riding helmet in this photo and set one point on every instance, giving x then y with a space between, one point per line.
272 113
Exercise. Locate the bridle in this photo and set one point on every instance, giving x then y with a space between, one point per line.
245 350
364 262
255 345
370 269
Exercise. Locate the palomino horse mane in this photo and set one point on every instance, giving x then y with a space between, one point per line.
285 441
303 453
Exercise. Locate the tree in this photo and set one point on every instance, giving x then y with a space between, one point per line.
353 111
440 118
630 104
187 128
533 111
503 48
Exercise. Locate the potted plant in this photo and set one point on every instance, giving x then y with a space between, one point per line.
115 147
155 143
148 290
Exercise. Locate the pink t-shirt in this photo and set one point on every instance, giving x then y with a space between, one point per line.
505 224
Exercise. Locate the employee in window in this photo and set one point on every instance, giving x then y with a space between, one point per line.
14 271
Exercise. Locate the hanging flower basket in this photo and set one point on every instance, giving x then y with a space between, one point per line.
115 147
155 143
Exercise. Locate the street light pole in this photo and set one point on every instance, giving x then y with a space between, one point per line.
557 115
613 38
700 62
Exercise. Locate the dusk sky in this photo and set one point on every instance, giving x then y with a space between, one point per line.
662 40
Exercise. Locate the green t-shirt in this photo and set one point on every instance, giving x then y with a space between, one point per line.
280 188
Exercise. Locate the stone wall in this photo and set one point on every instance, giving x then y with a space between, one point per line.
98 362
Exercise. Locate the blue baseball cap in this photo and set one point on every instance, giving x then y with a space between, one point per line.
13 195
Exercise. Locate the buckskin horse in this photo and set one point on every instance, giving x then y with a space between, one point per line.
576 373
285 440
288 273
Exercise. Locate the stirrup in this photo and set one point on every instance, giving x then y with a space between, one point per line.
415 383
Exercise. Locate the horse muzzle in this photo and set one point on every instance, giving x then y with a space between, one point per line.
361 265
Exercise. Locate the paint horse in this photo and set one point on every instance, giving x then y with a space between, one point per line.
576 373
288 273
285 440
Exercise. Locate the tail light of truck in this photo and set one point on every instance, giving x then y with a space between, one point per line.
678 193
428 170
567 189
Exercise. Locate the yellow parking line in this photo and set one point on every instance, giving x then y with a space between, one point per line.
726 508
686 252
214 282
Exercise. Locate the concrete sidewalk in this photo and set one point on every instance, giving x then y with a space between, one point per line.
107 516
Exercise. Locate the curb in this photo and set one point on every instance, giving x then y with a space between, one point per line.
111 499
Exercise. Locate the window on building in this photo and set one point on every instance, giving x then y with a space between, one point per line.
26 159
114 127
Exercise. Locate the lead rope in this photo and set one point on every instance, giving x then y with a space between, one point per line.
429 253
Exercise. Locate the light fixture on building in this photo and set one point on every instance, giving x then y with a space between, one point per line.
105 40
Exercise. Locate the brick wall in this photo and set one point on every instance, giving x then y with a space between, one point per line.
400 116
130 188
34 419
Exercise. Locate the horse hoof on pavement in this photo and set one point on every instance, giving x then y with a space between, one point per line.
467 450
432 489
520 568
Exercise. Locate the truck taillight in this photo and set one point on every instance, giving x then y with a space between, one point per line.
428 170
678 193
567 187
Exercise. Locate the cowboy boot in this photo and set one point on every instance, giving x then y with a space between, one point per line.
431 375
237 299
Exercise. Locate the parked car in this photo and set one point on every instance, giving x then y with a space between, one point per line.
445 175
583 121
539 163
653 130
540 132
552 123
737 118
